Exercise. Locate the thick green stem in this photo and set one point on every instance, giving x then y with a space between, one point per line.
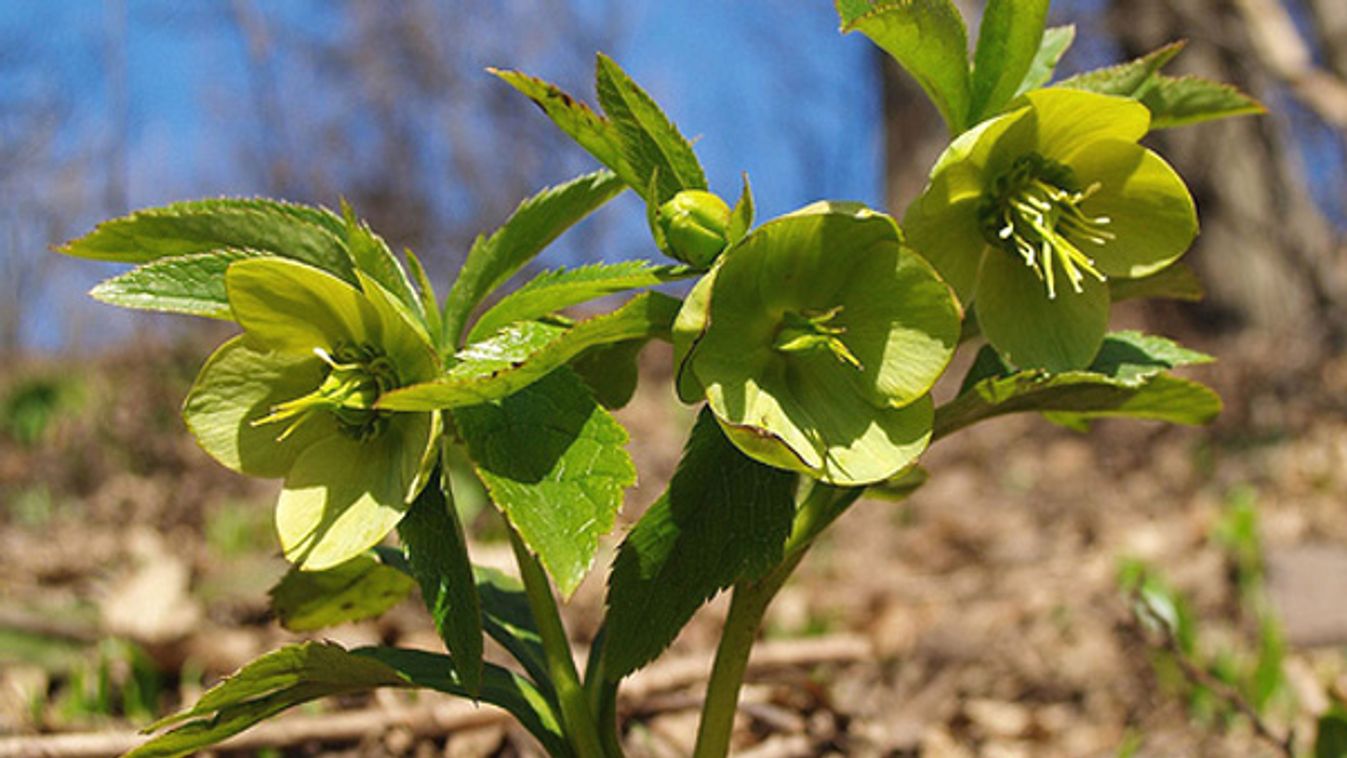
576 716
747 606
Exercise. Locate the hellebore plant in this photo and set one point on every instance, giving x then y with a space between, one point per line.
812 344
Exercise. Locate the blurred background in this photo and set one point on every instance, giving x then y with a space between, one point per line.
989 613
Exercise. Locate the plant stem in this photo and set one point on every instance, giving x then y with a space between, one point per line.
576 717
747 606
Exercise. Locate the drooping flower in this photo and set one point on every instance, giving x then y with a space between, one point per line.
1029 214
293 397
817 341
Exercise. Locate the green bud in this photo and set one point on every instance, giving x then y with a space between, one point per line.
694 224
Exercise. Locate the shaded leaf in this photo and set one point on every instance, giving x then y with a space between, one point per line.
370 254
533 225
437 555
1009 41
926 37
1180 101
1130 79
1056 40
611 371
553 290
524 353
555 463
1330 739
190 284
508 618
651 145
361 588
724 518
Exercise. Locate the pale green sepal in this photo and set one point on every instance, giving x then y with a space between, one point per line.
240 383
402 334
343 496
293 307
1067 122
688 328
1032 330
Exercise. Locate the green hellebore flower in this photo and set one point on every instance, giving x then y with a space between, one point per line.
819 337
695 224
293 397
1030 213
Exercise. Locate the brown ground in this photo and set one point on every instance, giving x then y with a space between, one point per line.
981 617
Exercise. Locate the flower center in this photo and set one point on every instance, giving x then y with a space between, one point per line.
357 375
1033 211
813 330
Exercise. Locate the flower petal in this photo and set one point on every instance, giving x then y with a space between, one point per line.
401 335
1148 206
344 495
1068 120
1029 329
293 307
949 236
240 383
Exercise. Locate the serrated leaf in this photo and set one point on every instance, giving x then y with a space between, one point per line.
526 352
553 290
300 673
533 225
437 555
1175 282
1180 101
724 518
263 688
312 235
555 463
1056 41
926 37
370 254
1008 44
611 371
1130 79
651 145
1126 380
594 133
425 292
363 587
189 284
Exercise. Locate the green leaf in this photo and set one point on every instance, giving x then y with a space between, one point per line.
595 134
1180 101
651 145
508 619
555 463
741 216
1130 79
1174 282
425 292
370 254
724 518
1008 45
1126 380
263 688
191 284
553 290
928 38
437 554
500 687
361 588
534 224
1330 739
523 353
1056 41
312 235
611 371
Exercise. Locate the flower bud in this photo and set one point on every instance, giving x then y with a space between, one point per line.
694 225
